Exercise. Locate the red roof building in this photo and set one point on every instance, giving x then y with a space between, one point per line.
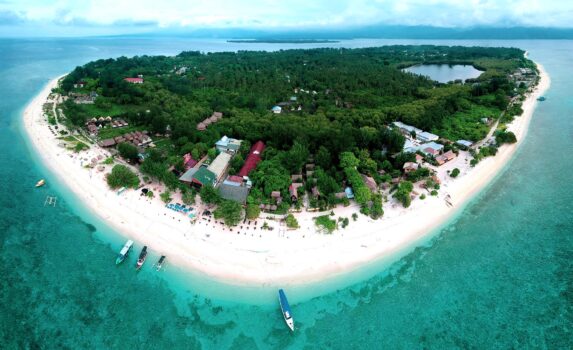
134 80
253 159
188 161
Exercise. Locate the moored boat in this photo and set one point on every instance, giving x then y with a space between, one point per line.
142 257
159 264
124 251
285 308
40 183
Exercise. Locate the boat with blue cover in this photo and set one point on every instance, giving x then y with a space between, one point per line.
124 251
285 308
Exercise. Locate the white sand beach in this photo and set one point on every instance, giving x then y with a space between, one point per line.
254 256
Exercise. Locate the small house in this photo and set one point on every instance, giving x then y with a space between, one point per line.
410 167
134 80
276 109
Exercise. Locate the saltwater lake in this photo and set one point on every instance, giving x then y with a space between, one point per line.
498 276
444 73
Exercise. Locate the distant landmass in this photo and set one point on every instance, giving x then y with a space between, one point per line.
282 41
370 32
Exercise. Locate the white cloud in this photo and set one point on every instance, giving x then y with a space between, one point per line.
295 13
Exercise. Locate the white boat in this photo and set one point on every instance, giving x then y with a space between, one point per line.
124 251
285 308
40 183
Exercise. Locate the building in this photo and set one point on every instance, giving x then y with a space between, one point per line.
188 161
226 144
293 191
199 177
134 80
234 192
277 109
464 143
253 159
425 136
220 165
410 167
431 148
370 183
349 193
409 146
446 157
407 129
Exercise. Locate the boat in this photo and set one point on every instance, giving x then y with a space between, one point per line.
285 308
142 257
159 264
40 183
124 251
541 99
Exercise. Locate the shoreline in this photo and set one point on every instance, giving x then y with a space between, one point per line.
267 258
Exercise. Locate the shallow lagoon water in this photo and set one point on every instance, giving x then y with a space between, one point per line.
444 73
498 276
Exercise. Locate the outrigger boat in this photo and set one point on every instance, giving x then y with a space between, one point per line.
142 257
124 251
40 183
159 264
285 308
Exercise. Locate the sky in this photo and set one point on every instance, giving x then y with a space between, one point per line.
102 17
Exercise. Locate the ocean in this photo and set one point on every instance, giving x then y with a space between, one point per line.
499 275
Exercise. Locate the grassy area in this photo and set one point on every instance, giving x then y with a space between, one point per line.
164 144
467 125
109 132
113 109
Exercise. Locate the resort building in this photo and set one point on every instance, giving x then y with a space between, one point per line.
293 191
407 129
370 183
199 177
425 136
220 165
431 148
134 80
234 191
277 109
410 167
226 144
446 157
253 159
464 143
188 161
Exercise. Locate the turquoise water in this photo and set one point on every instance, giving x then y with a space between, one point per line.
499 276
444 72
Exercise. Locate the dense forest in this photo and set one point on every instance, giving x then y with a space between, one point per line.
333 101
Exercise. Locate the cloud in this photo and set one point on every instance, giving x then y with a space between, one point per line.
268 14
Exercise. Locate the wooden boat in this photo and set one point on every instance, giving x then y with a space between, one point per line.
40 183
285 308
159 264
142 257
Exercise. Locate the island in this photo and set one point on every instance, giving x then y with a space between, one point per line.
283 167
283 41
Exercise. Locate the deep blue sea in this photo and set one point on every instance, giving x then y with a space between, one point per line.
499 276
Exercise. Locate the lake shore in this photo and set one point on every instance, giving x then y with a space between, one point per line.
253 256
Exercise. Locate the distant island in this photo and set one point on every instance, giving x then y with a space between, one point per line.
282 41
283 166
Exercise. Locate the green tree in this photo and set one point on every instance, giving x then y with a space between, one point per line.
348 160
326 223
291 221
229 211
209 195
121 176
323 158
128 151
296 157
253 211
455 172
188 197
403 193
165 196
376 210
